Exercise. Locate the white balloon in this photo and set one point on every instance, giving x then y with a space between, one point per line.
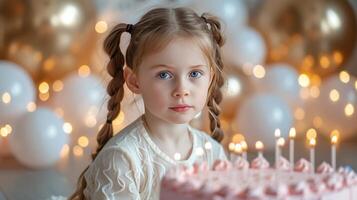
17 87
234 13
333 113
83 103
282 80
246 47
260 115
38 138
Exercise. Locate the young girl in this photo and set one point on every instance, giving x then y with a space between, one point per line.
173 61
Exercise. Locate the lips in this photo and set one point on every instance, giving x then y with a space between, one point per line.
181 107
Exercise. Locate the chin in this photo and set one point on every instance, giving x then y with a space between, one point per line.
180 118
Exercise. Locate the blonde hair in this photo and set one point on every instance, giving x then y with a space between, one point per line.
155 30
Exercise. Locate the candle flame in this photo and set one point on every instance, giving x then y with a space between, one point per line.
277 133
292 133
259 145
281 142
231 146
244 145
311 134
238 148
312 142
334 136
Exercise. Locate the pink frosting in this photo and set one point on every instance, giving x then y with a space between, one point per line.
351 178
334 181
241 163
324 168
200 167
283 164
280 190
301 188
253 193
303 166
221 165
317 185
260 163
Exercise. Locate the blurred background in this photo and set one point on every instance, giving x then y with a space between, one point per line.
290 69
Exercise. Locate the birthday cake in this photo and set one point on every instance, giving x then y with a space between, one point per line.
240 180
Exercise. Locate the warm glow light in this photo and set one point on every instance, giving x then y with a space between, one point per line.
6 98
317 122
338 57
44 97
77 150
335 134
324 62
238 148
43 87
231 146
277 133
84 71
83 141
312 142
304 93
304 80
259 71
244 145
208 145
311 134
334 95
281 142
237 138
8 128
90 121
344 76
57 86
349 110
356 85
177 156
292 133
314 91
259 145
31 107
3 132
233 87
299 114
67 127
101 27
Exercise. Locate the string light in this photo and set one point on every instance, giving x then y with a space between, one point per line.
101 27
304 80
334 95
6 98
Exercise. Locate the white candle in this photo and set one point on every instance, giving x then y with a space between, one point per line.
292 135
259 146
277 134
238 149
231 147
312 144
334 139
245 149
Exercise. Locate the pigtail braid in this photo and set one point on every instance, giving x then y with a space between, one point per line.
115 90
215 96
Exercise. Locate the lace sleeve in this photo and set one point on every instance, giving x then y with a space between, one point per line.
112 176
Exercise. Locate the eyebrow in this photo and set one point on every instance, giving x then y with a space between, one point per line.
167 66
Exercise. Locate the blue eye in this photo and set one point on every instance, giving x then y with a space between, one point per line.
196 74
164 75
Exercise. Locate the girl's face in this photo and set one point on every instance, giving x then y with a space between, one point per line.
174 82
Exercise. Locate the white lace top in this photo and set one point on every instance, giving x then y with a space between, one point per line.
130 166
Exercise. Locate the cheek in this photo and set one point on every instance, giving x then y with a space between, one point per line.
155 94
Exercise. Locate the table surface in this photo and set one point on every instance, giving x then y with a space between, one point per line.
18 182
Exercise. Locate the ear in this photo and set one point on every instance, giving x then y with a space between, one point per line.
131 80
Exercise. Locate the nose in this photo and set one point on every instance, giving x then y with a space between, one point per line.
180 90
